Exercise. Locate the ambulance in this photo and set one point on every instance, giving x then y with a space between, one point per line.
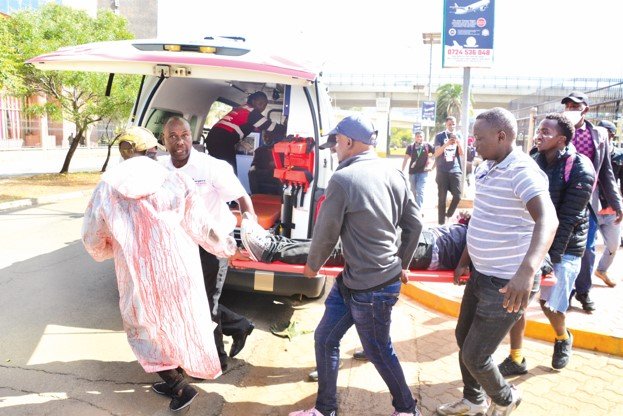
201 81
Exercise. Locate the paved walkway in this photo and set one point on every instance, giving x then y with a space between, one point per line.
601 330
590 385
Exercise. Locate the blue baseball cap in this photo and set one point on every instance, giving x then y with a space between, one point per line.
355 127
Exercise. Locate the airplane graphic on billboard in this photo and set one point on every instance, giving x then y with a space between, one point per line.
479 5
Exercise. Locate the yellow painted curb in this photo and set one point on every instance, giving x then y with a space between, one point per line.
593 341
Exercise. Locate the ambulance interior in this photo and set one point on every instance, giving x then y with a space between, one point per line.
281 163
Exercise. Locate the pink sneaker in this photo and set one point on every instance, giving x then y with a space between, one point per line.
310 412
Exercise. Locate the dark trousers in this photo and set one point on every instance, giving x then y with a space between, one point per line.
481 327
174 378
295 252
451 182
221 144
228 322
292 251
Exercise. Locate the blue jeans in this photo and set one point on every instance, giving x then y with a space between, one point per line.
557 297
370 312
482 325
584 282
418 183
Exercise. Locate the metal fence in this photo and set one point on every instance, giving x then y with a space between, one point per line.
526 84
605 104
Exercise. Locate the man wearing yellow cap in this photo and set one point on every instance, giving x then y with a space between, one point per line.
141 215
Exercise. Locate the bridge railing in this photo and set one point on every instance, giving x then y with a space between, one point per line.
481 82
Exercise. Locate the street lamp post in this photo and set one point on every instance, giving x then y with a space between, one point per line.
430 38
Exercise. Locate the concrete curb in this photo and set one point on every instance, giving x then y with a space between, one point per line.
593 341
47 199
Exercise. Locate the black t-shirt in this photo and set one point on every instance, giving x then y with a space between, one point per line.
419 157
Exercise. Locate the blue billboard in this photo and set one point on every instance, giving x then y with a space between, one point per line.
468 33
428 113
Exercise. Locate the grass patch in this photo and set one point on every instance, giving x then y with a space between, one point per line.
36 186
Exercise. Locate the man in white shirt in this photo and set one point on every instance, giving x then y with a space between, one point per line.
217 184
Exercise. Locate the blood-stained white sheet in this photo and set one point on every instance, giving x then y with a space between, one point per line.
150 221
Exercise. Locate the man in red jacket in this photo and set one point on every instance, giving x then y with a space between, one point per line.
237 124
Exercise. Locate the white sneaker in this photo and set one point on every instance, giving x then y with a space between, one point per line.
463 408
497 410
310 412
254 238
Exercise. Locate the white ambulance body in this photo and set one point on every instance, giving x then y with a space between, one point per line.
201 81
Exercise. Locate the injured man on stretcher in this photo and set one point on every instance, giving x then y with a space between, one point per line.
439 248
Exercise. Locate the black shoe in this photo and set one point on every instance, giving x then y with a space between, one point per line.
162 388
224 364
509 367
184 400
562 352
587 304
240 340
360 355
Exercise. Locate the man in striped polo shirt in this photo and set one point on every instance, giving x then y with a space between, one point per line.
511 230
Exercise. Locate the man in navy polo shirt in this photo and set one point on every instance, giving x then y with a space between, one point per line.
448 151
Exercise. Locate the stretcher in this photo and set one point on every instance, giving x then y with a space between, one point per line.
435 276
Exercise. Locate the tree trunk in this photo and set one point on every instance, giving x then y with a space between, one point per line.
110 145
72 149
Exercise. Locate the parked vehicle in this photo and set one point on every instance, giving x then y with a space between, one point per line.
202 81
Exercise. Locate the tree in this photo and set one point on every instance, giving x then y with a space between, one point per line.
400 137
450 103
78 97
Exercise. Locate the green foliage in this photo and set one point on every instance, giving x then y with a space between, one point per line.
449 103
400 137
75 96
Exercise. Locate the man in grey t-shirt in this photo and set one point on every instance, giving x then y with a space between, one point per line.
366 201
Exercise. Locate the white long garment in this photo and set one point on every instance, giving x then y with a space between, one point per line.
142 215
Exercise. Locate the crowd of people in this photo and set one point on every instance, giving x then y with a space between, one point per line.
169 229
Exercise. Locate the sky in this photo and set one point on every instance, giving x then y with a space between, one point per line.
537 38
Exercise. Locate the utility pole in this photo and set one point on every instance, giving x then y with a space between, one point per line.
430 38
